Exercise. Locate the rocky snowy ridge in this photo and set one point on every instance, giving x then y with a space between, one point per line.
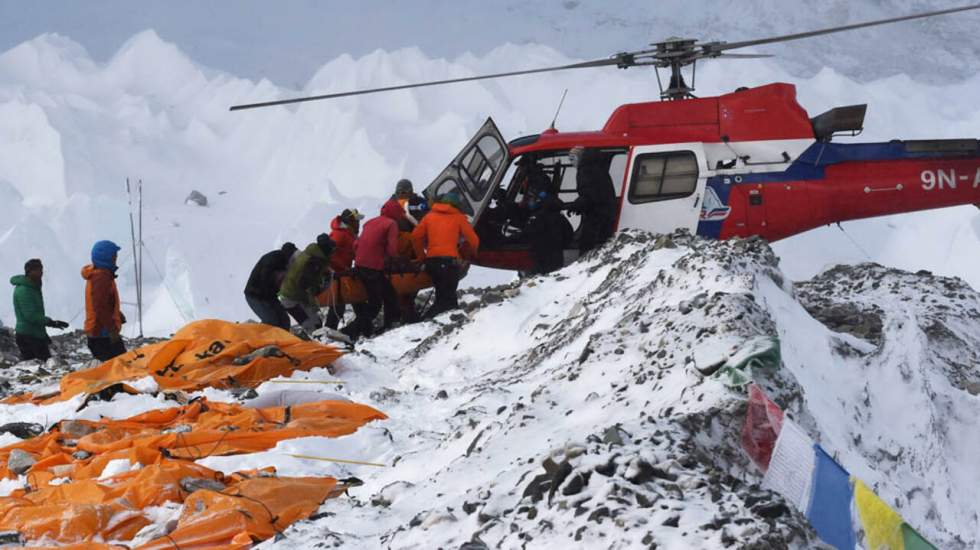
572 410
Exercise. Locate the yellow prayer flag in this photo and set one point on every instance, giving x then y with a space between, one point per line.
882 525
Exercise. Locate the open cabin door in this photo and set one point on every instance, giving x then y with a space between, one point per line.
475 172
665 188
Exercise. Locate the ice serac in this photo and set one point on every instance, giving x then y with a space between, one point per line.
596 406
30 153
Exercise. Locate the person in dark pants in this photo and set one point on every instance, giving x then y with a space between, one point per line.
436 241
103 319
445 281
30 333
263 286
373 252
549 232
596 200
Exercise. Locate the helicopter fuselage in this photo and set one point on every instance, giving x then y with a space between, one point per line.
747 163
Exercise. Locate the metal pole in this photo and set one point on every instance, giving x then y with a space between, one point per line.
139 275
132 234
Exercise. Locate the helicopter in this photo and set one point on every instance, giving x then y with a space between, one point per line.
752 162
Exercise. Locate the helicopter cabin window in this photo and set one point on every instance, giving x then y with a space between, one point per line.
562 174
663 176
477 167
503 223
447 185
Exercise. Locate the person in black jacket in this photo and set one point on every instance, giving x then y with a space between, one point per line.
596 200
549 232
263 286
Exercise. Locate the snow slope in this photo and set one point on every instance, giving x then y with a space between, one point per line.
75 128
572 410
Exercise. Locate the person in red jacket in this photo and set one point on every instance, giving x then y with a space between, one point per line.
103 320
436 240
373 251
343 232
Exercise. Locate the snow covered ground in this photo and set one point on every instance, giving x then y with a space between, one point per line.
573 409
75 128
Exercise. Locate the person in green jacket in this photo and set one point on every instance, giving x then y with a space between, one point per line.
31 335
304 280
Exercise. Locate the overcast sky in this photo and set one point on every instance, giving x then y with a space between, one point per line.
288 40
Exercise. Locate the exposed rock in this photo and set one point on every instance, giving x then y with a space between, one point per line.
20 461
75 429
191 484
23 430
196 197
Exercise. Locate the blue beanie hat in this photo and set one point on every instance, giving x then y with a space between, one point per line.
102 255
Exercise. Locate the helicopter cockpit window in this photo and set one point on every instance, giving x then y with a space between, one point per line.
477 167
663 176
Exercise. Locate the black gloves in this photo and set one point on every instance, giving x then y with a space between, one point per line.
55 324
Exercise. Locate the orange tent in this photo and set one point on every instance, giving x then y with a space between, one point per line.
208 353
194 431
251 511
227 511
240 510
83 511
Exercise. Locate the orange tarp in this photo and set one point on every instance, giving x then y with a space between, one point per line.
352 291
193 431
163 442
83 511
247 509
253 510
208 353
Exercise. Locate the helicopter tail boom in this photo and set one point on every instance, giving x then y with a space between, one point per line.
832 183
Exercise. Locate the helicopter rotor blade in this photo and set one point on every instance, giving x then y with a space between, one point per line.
720 47
616 60
742 56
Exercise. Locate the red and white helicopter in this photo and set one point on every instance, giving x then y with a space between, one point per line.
751 162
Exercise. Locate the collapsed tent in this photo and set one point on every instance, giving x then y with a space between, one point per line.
70 498
88 482
208 353
81 449
231 511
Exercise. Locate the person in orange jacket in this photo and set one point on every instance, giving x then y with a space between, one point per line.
103 319
436 241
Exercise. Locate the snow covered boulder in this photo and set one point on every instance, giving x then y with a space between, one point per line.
197 198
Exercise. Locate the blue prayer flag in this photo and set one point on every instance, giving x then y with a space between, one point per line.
830 502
